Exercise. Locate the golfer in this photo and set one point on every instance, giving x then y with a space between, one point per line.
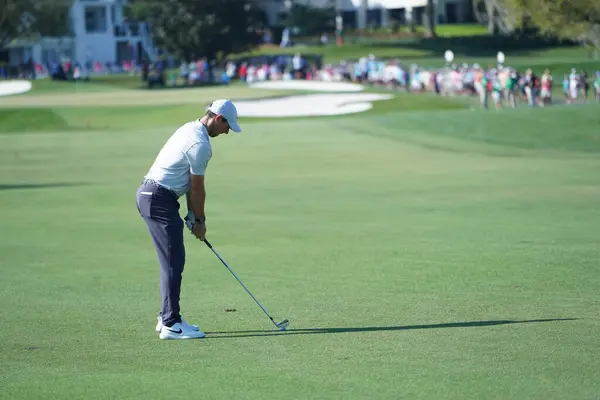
179 169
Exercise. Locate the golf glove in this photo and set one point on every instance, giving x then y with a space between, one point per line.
189 219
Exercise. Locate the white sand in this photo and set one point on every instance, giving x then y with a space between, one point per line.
14 87
310 105
317 86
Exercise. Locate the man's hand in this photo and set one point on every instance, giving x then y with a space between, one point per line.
199 230
189 220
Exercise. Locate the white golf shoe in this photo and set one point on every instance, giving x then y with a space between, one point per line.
180 331
159 325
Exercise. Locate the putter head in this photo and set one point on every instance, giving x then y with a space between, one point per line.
283 325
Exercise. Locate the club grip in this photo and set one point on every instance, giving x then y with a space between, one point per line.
208 244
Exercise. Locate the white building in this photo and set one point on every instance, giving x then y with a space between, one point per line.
361 13
99 33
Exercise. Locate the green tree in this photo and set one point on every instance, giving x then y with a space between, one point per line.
311 20
10 26
28 19
190 29
430 20
569 19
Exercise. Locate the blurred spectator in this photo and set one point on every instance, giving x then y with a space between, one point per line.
566 85
324 39
546 88
184 71
585 85
573 85
298 66
285 38
267 37
597 86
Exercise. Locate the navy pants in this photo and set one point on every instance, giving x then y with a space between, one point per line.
160 209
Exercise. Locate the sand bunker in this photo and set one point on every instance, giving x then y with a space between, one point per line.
345 100
317 86
14 87
309 105
348 102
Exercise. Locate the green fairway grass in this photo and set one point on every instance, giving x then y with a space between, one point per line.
96 84
119 97
31 120
442 31
430 254
460 30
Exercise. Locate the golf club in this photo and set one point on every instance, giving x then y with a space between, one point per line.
283 324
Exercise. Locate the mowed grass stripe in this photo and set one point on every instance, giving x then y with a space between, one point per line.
126 97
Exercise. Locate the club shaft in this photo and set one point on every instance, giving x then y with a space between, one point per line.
240 281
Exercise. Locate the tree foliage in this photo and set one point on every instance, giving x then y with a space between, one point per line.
190 29
310 20
570 19
24 19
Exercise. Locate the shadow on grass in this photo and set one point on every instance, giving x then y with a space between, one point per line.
19 186
312 331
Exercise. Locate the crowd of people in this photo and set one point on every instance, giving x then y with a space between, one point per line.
500 85
64 70
497 86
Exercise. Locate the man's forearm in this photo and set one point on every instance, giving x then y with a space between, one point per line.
188 197
195 199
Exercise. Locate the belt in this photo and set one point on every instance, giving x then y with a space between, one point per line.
153 182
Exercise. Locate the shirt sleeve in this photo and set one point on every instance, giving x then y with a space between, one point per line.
198 155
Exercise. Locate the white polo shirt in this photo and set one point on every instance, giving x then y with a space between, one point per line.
187 151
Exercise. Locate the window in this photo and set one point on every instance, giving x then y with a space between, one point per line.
95 19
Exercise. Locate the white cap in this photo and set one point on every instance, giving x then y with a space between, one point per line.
226 108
